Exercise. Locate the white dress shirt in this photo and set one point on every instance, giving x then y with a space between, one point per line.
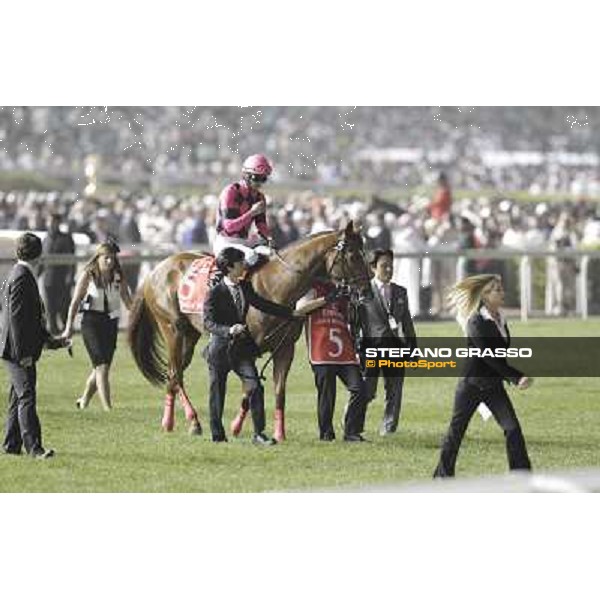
385 291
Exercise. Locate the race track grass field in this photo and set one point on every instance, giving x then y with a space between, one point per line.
125 451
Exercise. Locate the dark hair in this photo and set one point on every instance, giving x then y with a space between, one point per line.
29 246
112 244
377 254
227 258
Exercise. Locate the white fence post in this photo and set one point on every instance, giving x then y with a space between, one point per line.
525 285
461 268
548 289
583 288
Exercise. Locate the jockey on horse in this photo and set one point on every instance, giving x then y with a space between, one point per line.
241 204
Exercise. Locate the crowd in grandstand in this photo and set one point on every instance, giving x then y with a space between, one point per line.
540 149
168 221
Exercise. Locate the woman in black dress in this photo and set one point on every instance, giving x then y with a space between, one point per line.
477 301
98 295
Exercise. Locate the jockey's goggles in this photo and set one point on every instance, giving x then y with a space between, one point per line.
257 178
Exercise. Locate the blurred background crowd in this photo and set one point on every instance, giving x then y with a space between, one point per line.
417 179
539 149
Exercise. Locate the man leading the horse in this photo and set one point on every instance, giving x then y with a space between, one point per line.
230 346
241 204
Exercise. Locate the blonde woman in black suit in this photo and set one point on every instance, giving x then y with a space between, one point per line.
478 301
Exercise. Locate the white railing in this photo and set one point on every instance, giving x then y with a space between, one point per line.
552 259
148 257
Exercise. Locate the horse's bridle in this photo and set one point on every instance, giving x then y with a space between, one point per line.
340 253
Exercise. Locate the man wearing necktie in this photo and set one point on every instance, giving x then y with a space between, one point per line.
237 298
231 348
23 337
386 315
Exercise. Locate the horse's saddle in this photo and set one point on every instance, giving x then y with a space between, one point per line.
194 285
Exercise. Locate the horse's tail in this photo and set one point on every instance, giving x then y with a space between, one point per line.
145 342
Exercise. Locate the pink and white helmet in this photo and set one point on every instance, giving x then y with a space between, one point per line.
257 164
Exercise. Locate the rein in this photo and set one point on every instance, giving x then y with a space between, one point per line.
340 249
285 324
286 264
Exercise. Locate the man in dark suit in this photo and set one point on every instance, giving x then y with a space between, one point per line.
23 336
58 279
130 237
230 346
386 315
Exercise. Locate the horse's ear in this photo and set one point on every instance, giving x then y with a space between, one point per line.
349 228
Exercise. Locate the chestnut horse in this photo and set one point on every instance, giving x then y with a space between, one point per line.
162 338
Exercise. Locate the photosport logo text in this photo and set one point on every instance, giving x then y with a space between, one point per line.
450 356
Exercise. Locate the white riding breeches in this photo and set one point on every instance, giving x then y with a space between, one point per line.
250 254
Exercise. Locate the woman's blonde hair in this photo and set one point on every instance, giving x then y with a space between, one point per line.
465 297
92 267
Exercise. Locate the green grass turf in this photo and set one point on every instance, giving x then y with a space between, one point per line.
125 451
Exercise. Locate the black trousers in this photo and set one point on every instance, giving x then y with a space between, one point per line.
22 424
466 400
393 383
255 394
325 380
56 300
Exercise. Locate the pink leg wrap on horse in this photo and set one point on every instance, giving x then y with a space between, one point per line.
168 420
190 411
238 422
279 425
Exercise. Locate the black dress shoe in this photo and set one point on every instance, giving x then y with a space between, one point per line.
43 454
354 437
260 439
328 437
219 439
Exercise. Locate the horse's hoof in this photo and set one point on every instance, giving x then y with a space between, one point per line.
195 429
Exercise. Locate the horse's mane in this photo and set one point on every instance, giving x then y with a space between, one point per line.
290 249
313 236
